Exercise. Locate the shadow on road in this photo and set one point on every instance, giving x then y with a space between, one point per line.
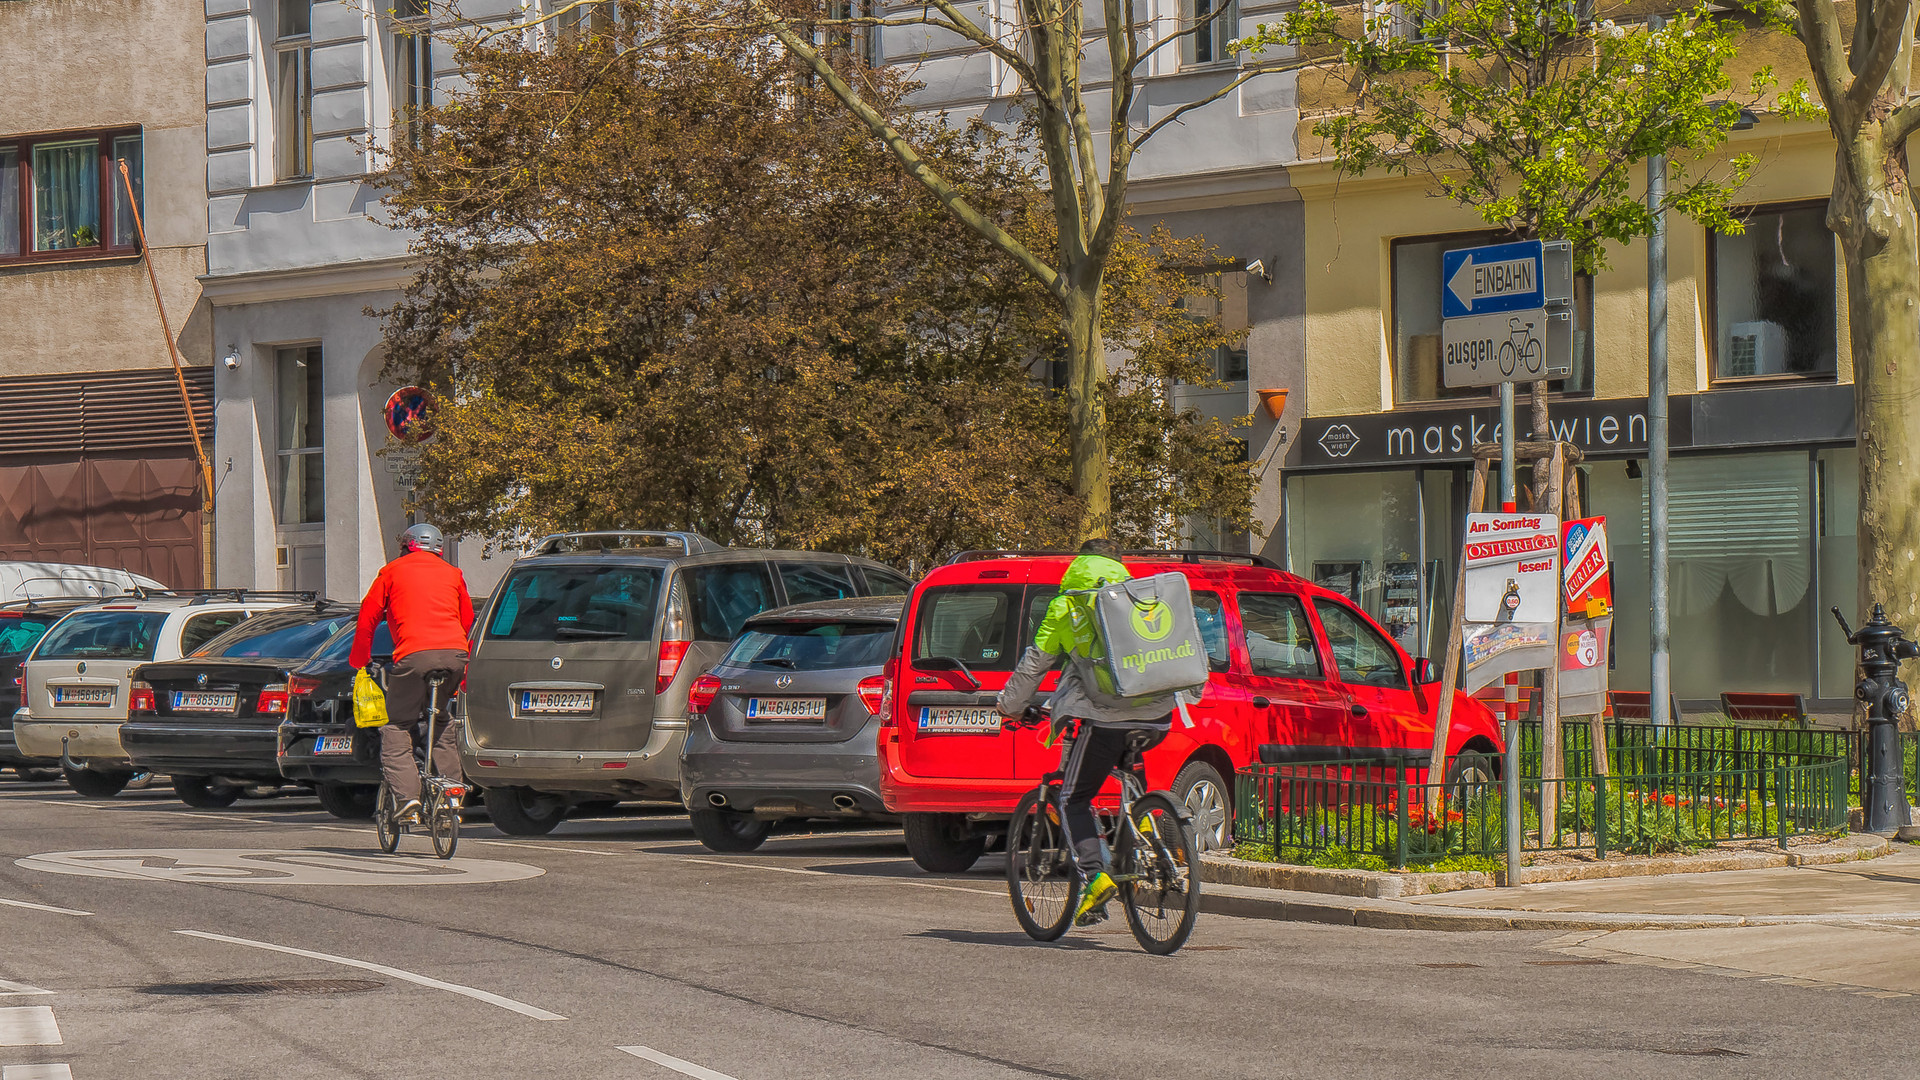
1015 939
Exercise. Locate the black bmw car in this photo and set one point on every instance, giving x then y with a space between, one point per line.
318 743
208 720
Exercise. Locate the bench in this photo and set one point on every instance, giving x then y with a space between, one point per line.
1769 708
1637 705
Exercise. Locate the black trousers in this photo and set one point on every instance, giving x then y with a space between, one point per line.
1095 753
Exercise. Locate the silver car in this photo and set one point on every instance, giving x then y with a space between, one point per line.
786 725
577 690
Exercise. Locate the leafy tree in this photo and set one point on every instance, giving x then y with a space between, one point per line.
1865 80
1086 138
1534 114
681 287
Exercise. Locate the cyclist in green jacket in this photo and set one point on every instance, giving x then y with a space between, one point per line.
1068 636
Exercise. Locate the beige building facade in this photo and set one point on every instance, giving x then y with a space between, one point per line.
96 463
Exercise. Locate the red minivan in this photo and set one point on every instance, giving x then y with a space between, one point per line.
1299 674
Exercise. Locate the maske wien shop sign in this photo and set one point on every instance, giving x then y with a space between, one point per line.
1607 428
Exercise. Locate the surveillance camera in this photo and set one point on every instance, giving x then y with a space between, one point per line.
233 361
1258 268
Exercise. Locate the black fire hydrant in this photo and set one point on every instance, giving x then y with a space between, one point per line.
1882 647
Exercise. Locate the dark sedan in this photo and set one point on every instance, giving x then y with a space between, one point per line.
318 743
208 720
22 625
785 725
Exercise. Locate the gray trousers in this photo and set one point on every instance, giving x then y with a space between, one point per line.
406 709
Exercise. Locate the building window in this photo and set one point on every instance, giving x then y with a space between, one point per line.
1213 25
583 19
293 91
861 42
302 486
411 82
1773 296
1417 374
61 196
1405 20
1229 310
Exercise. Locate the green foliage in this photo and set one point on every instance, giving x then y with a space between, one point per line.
1535 119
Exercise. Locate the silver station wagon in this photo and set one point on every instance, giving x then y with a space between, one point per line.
577 690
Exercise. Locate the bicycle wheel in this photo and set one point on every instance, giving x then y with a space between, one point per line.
444 827
385 825
1160 875
1040 876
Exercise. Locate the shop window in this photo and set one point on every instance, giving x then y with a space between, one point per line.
1773 296
302 479
1360 535
1417 372
61 196
410 84
1213 24
293 91
1836 532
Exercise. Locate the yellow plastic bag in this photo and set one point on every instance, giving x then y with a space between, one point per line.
369 701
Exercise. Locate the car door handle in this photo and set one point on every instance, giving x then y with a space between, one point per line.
1261 702
1359 709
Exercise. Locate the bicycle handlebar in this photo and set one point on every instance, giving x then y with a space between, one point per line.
1033 716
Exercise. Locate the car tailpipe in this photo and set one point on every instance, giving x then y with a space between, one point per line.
716 798
845 803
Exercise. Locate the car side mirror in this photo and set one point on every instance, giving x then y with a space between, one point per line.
1424 673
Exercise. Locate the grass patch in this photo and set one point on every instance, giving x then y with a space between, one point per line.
1339 858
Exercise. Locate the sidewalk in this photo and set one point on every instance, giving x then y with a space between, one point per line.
1884 890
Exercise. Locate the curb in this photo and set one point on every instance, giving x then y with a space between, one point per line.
1277 905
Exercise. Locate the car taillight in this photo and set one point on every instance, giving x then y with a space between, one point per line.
873 694
671 653
140 699
886 696
705 689
301 686
272 701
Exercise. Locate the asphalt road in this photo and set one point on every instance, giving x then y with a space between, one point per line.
618 947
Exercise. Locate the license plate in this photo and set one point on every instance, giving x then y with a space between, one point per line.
797 708
962 721
83 695
556 701
204 701
333 744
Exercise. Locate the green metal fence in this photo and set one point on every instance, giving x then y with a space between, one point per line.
1698 795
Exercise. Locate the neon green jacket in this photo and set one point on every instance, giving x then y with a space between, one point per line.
1068 636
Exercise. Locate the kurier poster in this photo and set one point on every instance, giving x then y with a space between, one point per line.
1589 565
1512 576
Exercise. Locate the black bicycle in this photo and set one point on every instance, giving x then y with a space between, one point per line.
1155 856
440 796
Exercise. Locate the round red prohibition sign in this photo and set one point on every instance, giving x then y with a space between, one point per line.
410 414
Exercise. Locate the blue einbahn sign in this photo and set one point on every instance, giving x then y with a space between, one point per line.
1498 277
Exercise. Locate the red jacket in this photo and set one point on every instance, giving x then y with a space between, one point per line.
424 600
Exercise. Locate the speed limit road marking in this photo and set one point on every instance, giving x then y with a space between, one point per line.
228 866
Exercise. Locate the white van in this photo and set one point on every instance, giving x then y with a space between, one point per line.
41 580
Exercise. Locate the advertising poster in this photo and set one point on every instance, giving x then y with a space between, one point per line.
1583 666
1589 565
1512 568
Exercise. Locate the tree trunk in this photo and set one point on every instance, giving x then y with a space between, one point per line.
1541 471
1087 407
1874 215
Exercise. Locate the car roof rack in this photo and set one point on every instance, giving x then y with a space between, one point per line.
208 596
1167 554
691 543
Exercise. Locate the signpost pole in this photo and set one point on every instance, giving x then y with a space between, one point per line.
1660 676
1509 503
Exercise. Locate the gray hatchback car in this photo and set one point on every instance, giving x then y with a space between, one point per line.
786 724
577 690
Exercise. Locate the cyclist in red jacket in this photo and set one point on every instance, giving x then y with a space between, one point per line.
424 600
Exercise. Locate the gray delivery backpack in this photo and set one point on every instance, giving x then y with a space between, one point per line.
1151 637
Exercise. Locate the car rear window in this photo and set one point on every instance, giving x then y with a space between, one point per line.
337 649
103 635
820 646
277 638
18 633
577 603
977 625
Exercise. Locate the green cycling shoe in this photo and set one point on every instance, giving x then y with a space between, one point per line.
1093 900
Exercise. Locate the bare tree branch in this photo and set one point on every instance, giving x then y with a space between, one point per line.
1820 26
1889 37
1246 76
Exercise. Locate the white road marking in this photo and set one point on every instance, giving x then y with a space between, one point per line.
824 873
28 1025
549 847
684 1068
10 989
507 1003
36 1072
246 866
41 907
